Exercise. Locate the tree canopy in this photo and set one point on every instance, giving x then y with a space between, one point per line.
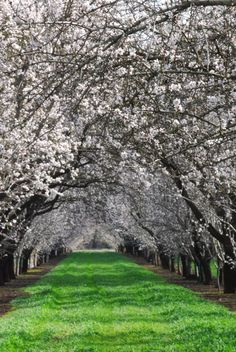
121 112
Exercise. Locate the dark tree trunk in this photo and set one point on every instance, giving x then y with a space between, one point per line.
229 274
204 268
186 266
6 269
202 257
219 276
25 257
172 264
229 277
25 265
201 273
206 271
129 249
1 273
151 257
11 266
165 261
229 271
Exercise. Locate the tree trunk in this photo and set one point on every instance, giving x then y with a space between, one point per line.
172 264
1 273
206 271
165 263
6 271
219 274
178 266
229 275
11 266
229 271
17 264
186 266
36 259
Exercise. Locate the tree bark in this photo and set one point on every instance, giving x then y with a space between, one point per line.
186 266
6 271
206 267
1 273
229 271
172 264
165 262
11 266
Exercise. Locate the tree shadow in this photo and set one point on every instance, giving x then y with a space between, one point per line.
110 293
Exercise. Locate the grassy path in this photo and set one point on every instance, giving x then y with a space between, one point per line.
11 289
104 302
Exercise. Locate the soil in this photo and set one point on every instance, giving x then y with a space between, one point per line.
210 292
12 289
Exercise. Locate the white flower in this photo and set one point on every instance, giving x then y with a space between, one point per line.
176 123
177 105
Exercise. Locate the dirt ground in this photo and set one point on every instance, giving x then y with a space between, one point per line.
209 292
12 289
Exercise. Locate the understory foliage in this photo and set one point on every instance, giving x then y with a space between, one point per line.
126 108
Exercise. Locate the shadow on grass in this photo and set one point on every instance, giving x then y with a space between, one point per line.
89 341
115 305
122 285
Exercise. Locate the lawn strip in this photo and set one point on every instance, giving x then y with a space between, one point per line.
104 302
12 289
209 292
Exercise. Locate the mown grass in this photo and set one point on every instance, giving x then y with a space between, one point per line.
104 302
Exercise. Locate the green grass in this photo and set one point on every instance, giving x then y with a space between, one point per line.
104 302
214 268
